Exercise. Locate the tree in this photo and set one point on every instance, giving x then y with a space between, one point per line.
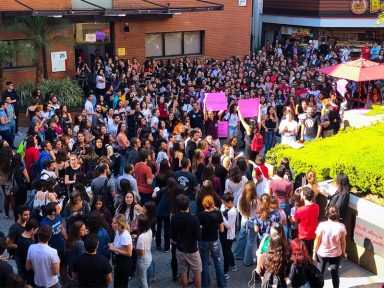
42 32
7 49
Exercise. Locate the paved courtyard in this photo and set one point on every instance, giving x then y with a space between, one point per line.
351 275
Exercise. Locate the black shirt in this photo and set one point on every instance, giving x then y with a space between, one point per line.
311 126
210 222
91 270
191 147
21 255
5 271
185 230
188 181
14 233
197 119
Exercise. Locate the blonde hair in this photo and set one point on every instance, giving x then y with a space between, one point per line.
121 221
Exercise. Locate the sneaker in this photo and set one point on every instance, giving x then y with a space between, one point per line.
234 268
226 276
166 251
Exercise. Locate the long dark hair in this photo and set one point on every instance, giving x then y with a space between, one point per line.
164 171
74 234
96 221
342 182
276 256
143 223
123 207
6 156
208 172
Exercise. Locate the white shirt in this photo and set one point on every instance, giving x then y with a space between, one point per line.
122 239
89 107
230 224
112 128
100 84
233 119
235 188
42 257
45 174
144 242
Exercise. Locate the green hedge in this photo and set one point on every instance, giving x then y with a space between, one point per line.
359 153
375 110
68 90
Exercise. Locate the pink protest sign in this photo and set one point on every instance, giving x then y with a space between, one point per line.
222 129
249 107
215 101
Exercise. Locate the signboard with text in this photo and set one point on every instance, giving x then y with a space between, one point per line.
215 101
369 236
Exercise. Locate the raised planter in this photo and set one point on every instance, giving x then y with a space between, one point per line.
365 239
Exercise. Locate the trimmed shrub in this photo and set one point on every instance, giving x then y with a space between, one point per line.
68 91
359 153
375 110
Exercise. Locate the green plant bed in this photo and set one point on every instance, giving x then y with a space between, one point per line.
359 153
375 110
68 91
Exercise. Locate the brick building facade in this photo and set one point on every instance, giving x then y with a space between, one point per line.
222 28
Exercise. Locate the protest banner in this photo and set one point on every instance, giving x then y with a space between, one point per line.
215 101
222 129
249 107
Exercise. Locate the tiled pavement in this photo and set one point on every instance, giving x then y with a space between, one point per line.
351 275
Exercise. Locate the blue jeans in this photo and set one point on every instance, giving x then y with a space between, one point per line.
192 207
12 133
214 249
241 242
250 247
308 139
123 160
232 131
287 209
269 141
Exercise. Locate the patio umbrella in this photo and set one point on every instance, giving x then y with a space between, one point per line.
359 70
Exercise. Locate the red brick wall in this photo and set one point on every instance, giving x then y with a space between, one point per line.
21 75
227 32
11 5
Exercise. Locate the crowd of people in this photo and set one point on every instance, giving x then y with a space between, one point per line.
143 160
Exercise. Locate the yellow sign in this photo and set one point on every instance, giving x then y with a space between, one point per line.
120 51
359 7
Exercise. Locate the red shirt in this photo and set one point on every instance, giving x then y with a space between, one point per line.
365 52
142 173
307 219
31 156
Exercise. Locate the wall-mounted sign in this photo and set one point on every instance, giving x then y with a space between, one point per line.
242 3
58 60
359 7
91 37
369 236
120 51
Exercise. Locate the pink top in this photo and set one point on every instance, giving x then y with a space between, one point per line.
331 234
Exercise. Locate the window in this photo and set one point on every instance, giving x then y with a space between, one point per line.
174 43
92 33
20 55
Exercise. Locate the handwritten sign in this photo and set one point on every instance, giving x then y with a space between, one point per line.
249 107
222 129
91 37
215 101
369 236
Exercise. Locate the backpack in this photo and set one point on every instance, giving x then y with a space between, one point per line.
314 276
257 142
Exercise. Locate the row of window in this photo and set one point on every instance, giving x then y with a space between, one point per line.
174 44
156 45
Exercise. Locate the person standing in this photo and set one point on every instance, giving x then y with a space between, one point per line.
17 229
5 122
188 181
211 223
185 231
23 243
143 247
5 268
11 115
122 247
44 260
105 186
330 244
144 177
11 92
90 269
306 218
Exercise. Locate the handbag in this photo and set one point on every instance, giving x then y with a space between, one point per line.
11 188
